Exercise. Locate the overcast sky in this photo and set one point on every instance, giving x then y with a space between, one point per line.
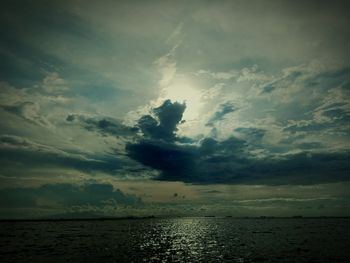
174 108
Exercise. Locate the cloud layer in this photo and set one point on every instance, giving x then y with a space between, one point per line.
174 93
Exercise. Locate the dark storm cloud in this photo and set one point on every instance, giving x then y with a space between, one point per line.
64 195
223 110
17 150
224 163
229 161
105 126
174 161
163 127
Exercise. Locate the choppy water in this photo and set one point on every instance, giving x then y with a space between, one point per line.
177 240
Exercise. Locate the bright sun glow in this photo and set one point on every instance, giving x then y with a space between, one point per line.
181 91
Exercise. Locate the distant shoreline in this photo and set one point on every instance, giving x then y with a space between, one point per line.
165 217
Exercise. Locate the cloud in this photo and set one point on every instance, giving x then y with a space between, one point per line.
18 150
27 110
105 126
230 160
38 104
54 84
288 79
253 135
224 109
310 145
167 64
327 114
168 116
54 196
175 162
218 75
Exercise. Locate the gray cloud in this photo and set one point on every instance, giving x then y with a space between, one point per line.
105 126
251 134
27 110
223 110
55 196
16 149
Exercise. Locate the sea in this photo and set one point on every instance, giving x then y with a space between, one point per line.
196 239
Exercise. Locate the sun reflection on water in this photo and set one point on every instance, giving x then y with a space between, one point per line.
181 240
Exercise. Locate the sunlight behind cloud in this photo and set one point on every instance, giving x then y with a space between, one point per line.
182 91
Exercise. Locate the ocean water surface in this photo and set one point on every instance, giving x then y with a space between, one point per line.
177 240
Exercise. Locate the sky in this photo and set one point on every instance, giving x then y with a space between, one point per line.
174 108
